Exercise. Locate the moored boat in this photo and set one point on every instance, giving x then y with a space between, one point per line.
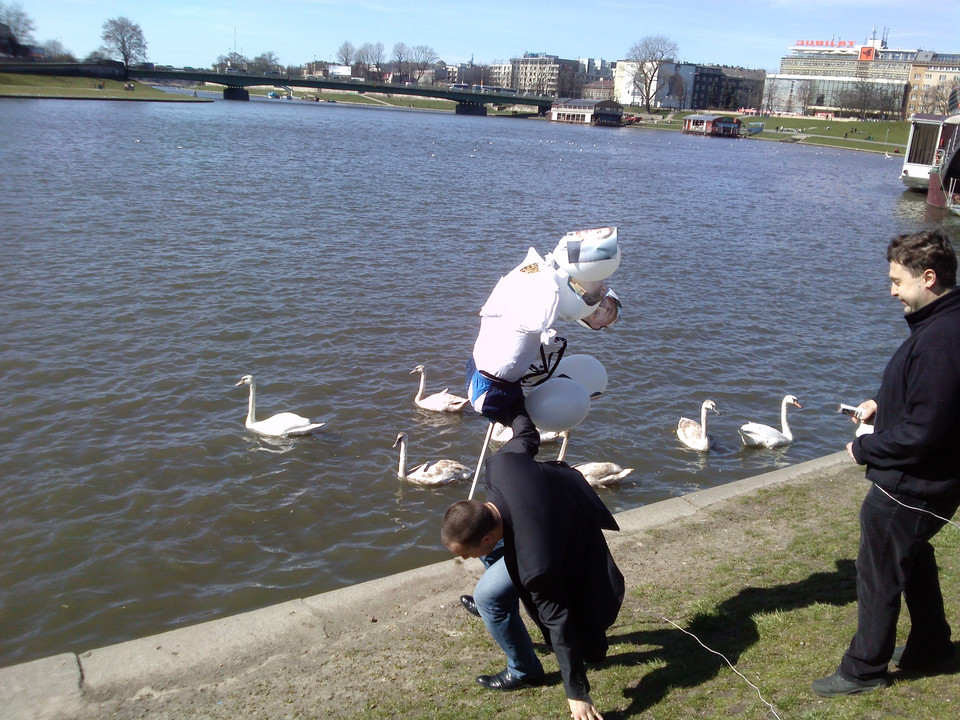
929 135
942 190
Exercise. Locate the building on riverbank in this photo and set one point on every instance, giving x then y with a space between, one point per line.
864 80
682 86
587 112
713 125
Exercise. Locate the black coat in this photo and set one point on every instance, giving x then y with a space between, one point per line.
555 551
915 447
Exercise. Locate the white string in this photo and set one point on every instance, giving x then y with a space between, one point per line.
773 709
687 632
911 507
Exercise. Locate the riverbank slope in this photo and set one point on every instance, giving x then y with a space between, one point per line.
760 570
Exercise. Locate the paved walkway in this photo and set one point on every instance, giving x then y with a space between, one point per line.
285 656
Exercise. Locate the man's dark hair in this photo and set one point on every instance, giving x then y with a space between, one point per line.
925 250
466 522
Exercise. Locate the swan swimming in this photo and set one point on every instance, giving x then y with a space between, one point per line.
757 435
280 425
597 474
432 472
442 401
503 434
693 434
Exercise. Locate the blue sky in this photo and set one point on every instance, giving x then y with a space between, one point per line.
748 33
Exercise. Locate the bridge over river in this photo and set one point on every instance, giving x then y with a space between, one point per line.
469 102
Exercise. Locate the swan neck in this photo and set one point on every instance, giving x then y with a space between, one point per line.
563 447
784 427
703 421
402 469
423 384
252 404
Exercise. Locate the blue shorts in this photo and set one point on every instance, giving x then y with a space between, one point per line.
495 399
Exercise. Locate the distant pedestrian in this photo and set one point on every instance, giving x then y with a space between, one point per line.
913 461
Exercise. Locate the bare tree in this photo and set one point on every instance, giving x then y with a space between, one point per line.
232 60
804 95
935 99
769 94
401 54
21 24
421 58
864 97
54 50
649 54
362 60
264 63
124 37
377 58
346 53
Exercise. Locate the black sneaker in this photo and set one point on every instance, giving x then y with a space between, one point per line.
836 684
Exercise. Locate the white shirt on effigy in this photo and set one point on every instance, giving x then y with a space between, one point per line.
516 319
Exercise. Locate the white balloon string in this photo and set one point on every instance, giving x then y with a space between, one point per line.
917 509
773 709
483 454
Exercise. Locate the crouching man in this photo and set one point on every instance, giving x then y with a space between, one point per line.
549 522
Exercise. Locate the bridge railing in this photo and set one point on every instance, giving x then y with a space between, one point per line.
237 79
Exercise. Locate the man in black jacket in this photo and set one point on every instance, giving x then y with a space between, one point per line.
550 521
913 460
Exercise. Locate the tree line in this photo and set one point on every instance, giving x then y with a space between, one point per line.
124 38
121 38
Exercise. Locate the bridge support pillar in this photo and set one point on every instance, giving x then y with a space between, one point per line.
471 109
235 93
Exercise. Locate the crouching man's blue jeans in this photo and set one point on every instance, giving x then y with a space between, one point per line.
499 605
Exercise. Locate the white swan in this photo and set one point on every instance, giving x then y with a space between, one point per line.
433 472
597 474
756 435
693 434
280 425
442 401
601 474
503 434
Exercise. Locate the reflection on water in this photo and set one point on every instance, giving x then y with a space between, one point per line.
327 250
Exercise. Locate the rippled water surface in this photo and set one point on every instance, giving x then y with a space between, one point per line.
153 253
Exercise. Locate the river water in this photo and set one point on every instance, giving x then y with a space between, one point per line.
154 253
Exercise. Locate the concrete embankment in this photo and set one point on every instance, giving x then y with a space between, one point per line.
307 656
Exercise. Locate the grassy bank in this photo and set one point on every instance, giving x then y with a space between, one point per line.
886 136
766 580
48 86
880 137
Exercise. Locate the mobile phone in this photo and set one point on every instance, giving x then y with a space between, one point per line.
851 410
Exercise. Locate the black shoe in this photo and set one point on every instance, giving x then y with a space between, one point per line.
469 605
927 663
834 685
505 680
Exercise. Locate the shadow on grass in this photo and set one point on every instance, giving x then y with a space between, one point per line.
730 629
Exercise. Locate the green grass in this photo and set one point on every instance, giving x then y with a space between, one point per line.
886 136
770 585
50 86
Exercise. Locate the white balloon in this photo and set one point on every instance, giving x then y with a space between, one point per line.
586 370
559 404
